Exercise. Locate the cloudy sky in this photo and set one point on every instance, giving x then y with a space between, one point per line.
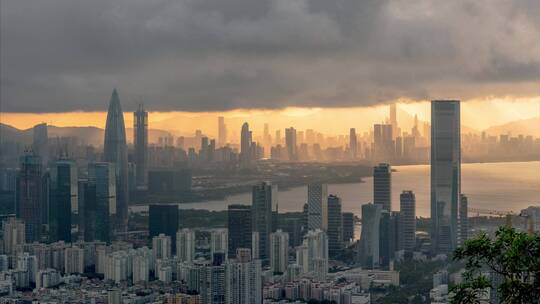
216 55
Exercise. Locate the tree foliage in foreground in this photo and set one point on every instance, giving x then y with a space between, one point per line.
513 257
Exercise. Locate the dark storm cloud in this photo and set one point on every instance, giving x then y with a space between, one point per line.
62 55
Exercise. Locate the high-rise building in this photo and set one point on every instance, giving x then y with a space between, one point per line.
393 119
140 142
290 142
100 204
312 255
74 260
382 186
369 237
279 251
163 219
40 143
445 174
219 240
222 132
13 234
353 144
239 225
348 227
245 145
383 145
264 196
161 246
387 238
115 151
244 283
463 219
335 226
317 206
30 196
63 200
185 245
407 225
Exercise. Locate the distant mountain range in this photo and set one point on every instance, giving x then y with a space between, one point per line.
90 135
94 135
529 126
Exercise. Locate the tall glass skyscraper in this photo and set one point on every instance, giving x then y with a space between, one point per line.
368 251
335 226
115 151
30 198
103 180
382 186
140 140
63 200
445 174
239 225
264 196
317 206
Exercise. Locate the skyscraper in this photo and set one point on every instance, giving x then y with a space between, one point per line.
63 200
163 219
264 196
222 132
115 151
445 173
290 142
348 226
30 198
463 219
393 119
244 283
102 178
368 251
245 145
140 140
279 251
353 144
383 145
387 238
317 206
335 226
13 234
239 225
407 225
40 144
161 246
382 186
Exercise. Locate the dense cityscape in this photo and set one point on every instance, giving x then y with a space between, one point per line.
69 237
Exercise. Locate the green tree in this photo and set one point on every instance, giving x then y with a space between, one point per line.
512 256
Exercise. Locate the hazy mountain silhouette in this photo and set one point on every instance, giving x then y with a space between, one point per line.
529 126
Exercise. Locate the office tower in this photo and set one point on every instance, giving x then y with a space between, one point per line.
290 143
335 226
222 132
317 206
63 200
369 237
244 279
393 119
29 197
407 225
399 147
279 251
185 245
140 142
445 174
219 239
255 245
264 196
239 225
382 186
161 246
13 234
463 219
40 144
348 227
387 238
115 151
245 145
163 219
100 208
278 137
353 144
